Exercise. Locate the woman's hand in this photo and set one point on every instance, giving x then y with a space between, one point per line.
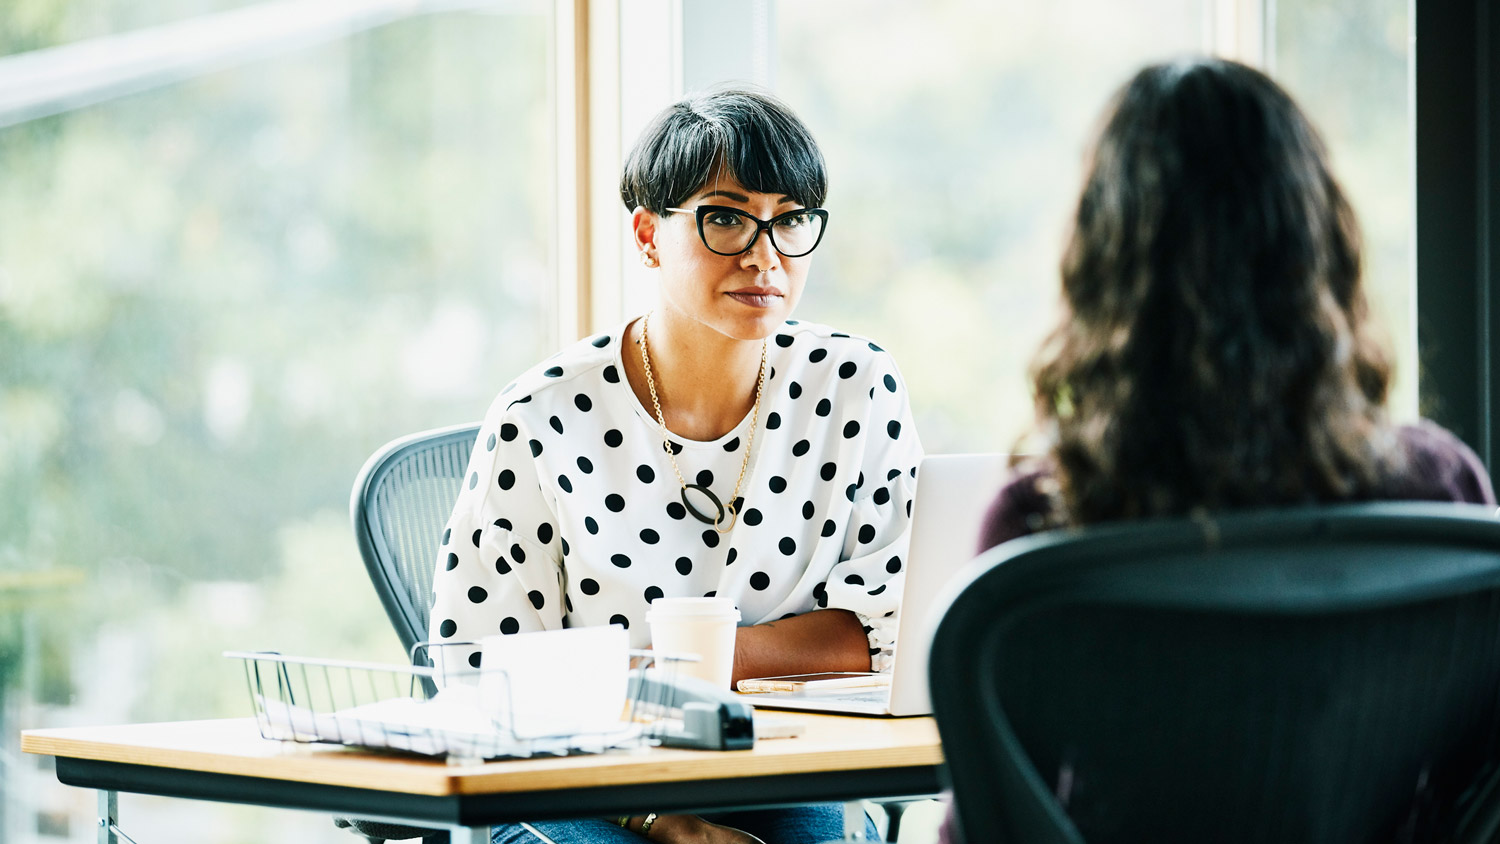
691 829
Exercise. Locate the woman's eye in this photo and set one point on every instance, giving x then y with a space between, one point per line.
723 218
795 221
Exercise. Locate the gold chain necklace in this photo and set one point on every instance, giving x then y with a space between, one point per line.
724 510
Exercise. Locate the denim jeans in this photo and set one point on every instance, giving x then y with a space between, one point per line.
799 825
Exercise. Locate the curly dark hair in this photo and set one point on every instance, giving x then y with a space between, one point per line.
1215 350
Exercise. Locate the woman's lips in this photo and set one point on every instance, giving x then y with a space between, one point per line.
757 297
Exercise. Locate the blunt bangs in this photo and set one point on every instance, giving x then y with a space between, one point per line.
736 133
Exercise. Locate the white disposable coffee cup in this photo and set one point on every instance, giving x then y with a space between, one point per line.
701 627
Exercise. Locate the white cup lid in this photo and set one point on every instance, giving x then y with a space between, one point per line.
664 608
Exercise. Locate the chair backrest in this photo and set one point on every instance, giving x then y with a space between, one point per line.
1323 674
402 500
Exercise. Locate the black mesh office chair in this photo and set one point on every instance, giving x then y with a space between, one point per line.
402 499
1318 675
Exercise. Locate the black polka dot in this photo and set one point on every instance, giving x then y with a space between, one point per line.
675 446
783 340
710 593
568 602
473 479
829 528
875 348
620 561
650 537
882 496
489 444
773 421
452 562
620 620
893 474
808 510
711 538
601 341
447 628
827 471
652 593
777 484
861 481
501 566
877 590
503 523
851 429
518 553
564 484
553 372
537 600
676 510
732 445
590 525
817 355
544 532
820 594
613 438
564 542
800 448
684 566
509 626
645 473
585 465
583 402
475 538
507 479
734 554
752 517
794 390
536 448
867 534
890 382
589 586
824 407
705 478
787 545
508 432
614 502
477 594
893 565
854 580
556 424
447 534
611 374
847 369
521 400
850 490
908 508
474 659
838 334
759 581
792 322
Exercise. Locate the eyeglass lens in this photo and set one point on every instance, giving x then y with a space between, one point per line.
792 235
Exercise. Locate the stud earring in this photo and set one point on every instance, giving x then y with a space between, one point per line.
649 261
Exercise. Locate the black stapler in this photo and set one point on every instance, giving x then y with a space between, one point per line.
711 718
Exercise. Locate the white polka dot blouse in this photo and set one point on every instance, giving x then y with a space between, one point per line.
571 515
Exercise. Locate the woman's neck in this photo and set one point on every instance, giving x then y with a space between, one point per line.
705 381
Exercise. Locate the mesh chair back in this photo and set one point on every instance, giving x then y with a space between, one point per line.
1321 675
402 500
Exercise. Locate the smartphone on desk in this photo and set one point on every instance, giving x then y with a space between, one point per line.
830 681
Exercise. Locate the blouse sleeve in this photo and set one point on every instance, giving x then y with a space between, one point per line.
869 578
499 566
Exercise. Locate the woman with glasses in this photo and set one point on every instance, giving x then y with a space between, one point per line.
710 447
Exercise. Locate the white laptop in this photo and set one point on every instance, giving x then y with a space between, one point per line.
953 493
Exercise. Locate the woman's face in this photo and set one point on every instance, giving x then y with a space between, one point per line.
743 297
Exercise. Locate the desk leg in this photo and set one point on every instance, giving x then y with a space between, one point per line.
109 816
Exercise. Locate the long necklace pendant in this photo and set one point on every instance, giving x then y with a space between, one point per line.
701 516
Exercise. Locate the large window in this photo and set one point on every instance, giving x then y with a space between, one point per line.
221 288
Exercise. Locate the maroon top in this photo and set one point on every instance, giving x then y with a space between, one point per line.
1438 467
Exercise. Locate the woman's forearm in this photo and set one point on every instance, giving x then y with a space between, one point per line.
822 640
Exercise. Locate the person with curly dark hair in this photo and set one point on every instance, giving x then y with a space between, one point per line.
1215 350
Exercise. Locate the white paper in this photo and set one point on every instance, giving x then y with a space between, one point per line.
556 682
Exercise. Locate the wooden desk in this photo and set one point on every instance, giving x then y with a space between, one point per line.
837 759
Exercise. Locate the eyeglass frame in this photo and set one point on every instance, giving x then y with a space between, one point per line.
760 226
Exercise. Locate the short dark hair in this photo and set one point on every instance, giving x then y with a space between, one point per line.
1216 349
749 133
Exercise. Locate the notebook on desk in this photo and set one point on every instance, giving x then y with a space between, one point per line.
953 493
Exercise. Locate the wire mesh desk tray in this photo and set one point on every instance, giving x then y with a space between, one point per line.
400 707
